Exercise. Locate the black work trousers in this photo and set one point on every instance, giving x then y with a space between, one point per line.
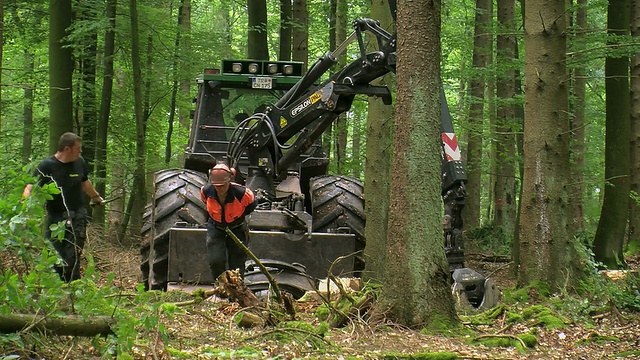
222 251
70 247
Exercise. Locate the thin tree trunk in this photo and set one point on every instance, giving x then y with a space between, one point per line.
186 66
341 132
634 203
609 238
60 72
105 109
300 32
174 90
577 127
27 112
481 46
138 193
286 16
257 35
355 147
504 187
1 49
87 94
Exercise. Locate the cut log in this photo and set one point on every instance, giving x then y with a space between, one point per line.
69 325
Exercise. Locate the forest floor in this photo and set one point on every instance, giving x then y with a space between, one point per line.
206 330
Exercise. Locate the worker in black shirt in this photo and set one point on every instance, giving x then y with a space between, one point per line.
68 170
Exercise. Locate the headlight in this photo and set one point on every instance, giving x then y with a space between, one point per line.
287 69
253 68
272 68
236 67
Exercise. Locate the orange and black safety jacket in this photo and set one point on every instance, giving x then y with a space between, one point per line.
239 202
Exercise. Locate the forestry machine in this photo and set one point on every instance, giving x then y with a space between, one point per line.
306 219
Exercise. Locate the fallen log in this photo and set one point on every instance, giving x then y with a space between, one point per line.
68 325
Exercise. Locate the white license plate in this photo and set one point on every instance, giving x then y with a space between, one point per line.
261 83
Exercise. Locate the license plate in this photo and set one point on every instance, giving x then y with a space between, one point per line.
261 83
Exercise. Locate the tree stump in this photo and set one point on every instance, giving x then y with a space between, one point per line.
234 289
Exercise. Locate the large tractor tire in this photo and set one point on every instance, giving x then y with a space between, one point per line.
177 199
338 207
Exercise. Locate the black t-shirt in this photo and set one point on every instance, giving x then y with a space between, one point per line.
69 178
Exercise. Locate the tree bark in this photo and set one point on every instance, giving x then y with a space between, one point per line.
379 148
87 118
70 325
547 250
504 215
105 110
577 128
257 35
341 132
634 203
417 280
60 72
286 16
481 47
138 193
300 32
609 238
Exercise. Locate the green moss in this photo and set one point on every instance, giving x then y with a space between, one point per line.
441 325
177 354
535 289
628 354
421 356
514 317
297 325
529 340
545 316
484 318
595 338
323 312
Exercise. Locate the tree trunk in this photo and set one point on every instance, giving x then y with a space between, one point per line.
257 35
356 166
505 160
481 46
300 32
547 250
138 193
87 94
634 203
174 89
379 147
60 72
105 110
286 14
70 325
341 133
609 238
27 112
577 129
417 280
186 67
1 48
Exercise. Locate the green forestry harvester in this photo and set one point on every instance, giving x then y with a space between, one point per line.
266 118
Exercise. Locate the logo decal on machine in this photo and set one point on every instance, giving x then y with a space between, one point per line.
306 103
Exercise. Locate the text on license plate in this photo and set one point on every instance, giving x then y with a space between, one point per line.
261 83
